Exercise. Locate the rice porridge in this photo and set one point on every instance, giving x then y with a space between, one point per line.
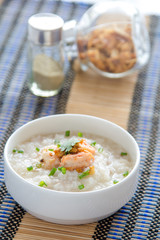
71 162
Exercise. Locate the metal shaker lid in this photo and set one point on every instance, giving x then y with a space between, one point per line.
45 29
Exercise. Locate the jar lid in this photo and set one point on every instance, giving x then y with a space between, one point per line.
45 28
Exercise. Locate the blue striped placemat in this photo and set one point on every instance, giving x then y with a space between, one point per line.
139 218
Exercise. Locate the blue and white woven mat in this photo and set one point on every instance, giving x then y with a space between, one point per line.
140 217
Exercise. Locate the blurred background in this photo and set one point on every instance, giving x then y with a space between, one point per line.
145 6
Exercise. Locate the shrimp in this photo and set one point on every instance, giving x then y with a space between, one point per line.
58 152
49 158
83 146
76 161
80 157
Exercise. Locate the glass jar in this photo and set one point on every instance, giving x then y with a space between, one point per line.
112 39
45 55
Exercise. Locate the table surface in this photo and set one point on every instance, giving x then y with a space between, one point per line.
131 102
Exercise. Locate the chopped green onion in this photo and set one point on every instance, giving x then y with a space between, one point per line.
62 169
100 150
58 145
80 134
84 174
20 151
30 168
37 149
81 187
42 183
67 133
38 165
51 149
115 181
125 174
52 172
123 153
93 144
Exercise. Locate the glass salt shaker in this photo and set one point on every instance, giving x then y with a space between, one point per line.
46 60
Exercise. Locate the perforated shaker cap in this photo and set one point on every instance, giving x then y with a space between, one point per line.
45 29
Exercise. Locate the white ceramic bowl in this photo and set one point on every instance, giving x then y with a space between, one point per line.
71 207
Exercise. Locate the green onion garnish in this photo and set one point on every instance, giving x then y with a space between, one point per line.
42 183
67 133
125 174
51 149
20 151
37 149
38 165
84 174
80 134
81 187
115 181
30 168
100 150
93 144
123 153
58 145
52 172
62 169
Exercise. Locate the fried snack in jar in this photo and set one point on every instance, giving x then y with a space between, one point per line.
108 49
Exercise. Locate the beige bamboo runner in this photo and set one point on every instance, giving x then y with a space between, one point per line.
102 97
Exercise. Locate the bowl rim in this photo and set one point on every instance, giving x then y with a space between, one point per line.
42 189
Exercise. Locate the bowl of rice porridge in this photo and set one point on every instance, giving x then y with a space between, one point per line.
71 168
